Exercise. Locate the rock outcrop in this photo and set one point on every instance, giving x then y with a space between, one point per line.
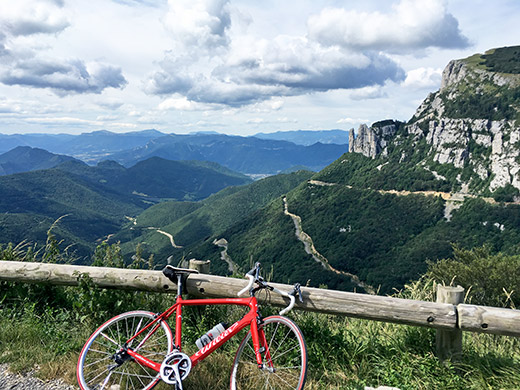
472 125
372 141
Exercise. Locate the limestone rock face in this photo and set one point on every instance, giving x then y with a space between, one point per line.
488 146
371 141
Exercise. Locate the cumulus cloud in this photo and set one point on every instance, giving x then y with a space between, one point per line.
257 69
28 17
214 62
183 104
423 78
63 77
411 25
24 66
199 23
372 92
351 120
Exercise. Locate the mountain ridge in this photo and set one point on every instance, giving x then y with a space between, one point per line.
466 134
25 158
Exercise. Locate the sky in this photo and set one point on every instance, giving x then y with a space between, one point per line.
232 66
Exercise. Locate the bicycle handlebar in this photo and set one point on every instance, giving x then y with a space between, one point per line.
254 276
249 285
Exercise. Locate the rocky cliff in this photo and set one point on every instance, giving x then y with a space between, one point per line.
469 129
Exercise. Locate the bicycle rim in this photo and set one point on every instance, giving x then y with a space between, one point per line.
97 368
284 358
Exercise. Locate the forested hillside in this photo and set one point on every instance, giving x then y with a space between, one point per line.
192 222
94 202
406 193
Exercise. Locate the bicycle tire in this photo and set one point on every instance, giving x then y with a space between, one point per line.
288 352
97 355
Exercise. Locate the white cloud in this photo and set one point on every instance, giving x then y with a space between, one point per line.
255 120
229 61
423 78
255 70
107 118
411 25
28 17
23 62
183 104
62 121
63 77
198 24
372 92
351 121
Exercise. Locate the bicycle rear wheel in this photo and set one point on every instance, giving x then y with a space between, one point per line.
284 358
100 368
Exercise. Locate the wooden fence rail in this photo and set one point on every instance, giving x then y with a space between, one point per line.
443 316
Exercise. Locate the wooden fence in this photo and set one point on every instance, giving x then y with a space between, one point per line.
449 318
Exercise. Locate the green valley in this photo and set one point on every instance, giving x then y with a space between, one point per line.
92 202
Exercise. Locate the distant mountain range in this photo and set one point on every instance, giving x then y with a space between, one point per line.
265 154
248 155
25 159
156 178
308 137
89 147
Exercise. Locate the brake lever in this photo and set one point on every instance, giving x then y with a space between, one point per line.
297 292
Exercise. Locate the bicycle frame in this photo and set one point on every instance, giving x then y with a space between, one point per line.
252 319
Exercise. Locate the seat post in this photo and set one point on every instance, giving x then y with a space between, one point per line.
179 285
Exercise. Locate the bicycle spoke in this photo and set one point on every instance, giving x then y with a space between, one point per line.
111 340
97 361
98 367
286 352
286 367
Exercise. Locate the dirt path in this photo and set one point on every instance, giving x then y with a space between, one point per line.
453 200
222 243
172 241
318 257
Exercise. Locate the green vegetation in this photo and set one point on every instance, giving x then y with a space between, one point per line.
30 203
479 96
46 327
368 233
191 223
94 201
157 178
508 193
494 280
382 238
25 158
267 235
497 103
383 173
502 60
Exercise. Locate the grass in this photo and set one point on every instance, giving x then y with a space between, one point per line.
343 353
44 328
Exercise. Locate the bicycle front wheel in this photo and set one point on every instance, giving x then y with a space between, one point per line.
101 364
284 358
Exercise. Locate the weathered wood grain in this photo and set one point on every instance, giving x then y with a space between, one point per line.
388 309
379 308
448 343
486 319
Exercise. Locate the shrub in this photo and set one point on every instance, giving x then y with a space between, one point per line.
489 279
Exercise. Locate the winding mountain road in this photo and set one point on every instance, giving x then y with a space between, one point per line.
318 257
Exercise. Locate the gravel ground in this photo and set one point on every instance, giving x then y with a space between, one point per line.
10 381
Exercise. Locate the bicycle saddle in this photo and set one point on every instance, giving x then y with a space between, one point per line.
171 272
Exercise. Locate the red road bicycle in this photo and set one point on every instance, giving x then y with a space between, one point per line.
136 350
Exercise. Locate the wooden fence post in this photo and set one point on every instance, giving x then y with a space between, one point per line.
200 265
449 342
